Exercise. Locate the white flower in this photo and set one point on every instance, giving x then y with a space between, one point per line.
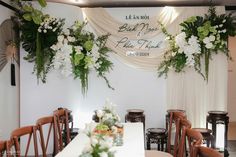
180 40
60 38
224 21
54 47
39 30
99 113
71 39
54 29
114 129
107 142
67 32
103 154
209 45
206 40
224 30
221 25
44 31
93 140
212 38
87 149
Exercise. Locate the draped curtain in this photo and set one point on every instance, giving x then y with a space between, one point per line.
186 90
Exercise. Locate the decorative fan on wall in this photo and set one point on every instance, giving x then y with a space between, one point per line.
8 48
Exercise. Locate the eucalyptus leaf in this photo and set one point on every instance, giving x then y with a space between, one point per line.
28 8
37 19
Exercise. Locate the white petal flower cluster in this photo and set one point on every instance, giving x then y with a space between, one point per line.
61 60
103 145
188 47
208 41
49 23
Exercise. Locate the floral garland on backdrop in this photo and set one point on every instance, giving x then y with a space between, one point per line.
73 51
200 37
77 51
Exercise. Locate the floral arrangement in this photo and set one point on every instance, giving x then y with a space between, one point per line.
99 145
74 51
108 115
38 32
200 37
77 51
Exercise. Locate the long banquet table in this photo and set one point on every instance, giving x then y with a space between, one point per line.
133 143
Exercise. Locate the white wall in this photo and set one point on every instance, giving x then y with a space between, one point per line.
232 81
133 88
9 95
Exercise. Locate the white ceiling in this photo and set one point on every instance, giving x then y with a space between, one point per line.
118 3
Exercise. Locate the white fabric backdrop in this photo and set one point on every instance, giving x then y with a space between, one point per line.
187 90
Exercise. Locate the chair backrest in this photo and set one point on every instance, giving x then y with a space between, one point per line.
175 117
200 151
24 131
62 124
194 138
52 131
3 148
182 123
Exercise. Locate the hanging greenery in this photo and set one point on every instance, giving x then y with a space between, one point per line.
78 51
74 50
200 37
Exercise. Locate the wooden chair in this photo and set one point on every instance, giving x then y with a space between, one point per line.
175 117
194 138
62 125
200 151
43 123
3 148
24 131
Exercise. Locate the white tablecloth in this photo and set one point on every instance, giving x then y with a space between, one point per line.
133 143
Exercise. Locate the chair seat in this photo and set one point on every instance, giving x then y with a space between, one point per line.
208 138
158 131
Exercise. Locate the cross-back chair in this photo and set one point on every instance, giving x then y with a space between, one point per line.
49 122
21 132
62 125
194 138
200 151
175 118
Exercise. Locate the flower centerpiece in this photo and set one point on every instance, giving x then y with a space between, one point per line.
77 51
38 33
99 145
108 115
200 37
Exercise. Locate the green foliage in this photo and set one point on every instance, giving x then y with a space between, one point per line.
216 27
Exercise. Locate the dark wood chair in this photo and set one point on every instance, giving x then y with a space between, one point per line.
61 119
175 118
200 151
194 138
52 132
22 132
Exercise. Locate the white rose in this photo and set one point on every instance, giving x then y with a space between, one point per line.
67 32
209 45
212 38
206 40
103 154
99 113
60 38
